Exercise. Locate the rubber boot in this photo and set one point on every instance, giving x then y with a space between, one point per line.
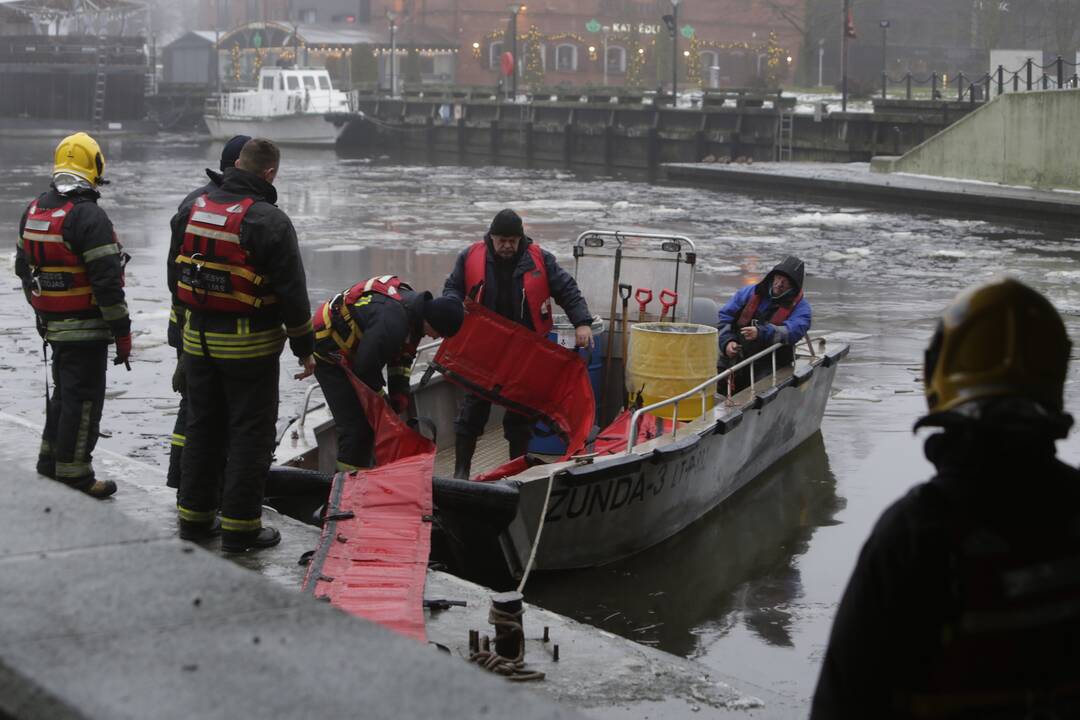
235 542
199 531
100 489
519 438
464 447
46 465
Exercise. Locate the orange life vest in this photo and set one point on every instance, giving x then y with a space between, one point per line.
60 284
537 293
334 321
779 315
215 271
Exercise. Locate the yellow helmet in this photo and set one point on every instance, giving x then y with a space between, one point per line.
80 155
994 340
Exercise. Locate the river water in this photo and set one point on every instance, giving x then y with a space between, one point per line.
750 589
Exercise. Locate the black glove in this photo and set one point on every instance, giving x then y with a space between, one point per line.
179 380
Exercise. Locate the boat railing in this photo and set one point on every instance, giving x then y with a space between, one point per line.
298 433
702 392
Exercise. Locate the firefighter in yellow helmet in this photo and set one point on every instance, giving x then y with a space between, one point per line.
72 271
965 601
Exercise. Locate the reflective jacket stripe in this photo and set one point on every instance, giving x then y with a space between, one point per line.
255 302
211 233
253 277
42 237
101 251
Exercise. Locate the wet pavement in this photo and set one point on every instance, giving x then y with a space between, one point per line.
751 588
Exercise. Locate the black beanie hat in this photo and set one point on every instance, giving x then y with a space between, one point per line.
232 149
508 223
445 315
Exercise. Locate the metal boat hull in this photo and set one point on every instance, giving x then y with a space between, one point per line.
308 129
610 509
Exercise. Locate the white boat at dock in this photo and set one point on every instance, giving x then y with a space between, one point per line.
288 106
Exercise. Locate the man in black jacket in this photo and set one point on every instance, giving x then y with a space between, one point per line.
72 271
513 276
234 264
965 601
229 155
375 324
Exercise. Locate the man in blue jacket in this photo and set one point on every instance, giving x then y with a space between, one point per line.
508 273
758 316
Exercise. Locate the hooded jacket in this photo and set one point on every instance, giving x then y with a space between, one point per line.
788 332
269 238
965 596
88 233
563 287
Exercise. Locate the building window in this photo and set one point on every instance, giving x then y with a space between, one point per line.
616 59
524 51
495 52
566 58
307 16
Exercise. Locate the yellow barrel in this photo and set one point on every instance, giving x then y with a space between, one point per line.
667 359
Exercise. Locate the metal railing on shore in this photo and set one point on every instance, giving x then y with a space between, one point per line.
1059 74
700 391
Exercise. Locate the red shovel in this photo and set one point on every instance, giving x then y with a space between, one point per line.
643 297
665 294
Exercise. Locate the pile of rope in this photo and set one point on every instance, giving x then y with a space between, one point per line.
506 624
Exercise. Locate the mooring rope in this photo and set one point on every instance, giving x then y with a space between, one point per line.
510 668
536 540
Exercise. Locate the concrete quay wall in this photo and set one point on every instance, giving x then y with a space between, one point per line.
1023 138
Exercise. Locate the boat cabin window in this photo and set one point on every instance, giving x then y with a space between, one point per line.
293 82
309 81
268 83
324 82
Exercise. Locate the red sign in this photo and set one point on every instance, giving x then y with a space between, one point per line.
507 63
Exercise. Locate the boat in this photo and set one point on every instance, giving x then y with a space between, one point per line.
628 490
288 106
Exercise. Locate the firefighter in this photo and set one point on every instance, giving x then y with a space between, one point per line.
508 273
757 316
72 270
965 601
374 324
234 266
229 154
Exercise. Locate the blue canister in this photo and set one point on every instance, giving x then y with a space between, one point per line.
544 441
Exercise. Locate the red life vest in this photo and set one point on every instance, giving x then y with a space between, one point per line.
333 320
779 315
215 272
535 284
60 284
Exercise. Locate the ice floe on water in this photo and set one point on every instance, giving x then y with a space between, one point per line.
825 219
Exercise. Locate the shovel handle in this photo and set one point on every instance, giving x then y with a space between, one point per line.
624 292
644 297
665 296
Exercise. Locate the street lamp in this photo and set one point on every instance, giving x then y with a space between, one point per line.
675 53
884 56
392 17
514 10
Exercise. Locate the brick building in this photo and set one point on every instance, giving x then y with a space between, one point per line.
565 42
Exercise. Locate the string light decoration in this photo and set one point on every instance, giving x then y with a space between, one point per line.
259 56
774 53
235 62
534 60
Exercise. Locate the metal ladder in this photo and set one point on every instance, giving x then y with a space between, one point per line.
99 84
785 136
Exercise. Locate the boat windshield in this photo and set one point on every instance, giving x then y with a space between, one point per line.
293 82
268 83
309 81
324 82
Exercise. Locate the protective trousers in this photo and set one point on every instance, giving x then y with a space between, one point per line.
355 438
473 415
179 439
73 413
238 400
